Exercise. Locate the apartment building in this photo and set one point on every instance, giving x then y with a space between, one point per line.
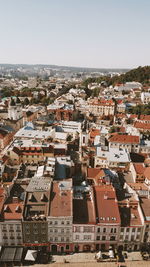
60 217
124 141
132 224
11 216
101 107
107 217
34 222
114 158
84 219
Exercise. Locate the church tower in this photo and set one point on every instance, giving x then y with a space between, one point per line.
15 109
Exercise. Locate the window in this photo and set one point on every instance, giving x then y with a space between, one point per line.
139 230
50 222
127 230
103 237
55 222
77 237
4 227
98 230
87 229
68 222
133 230
111 230
55 230
62 222
98 238
62 230
87 237
56 238
122 229
104 230
67 239
62 239
112 238
67 246
77 229
43 232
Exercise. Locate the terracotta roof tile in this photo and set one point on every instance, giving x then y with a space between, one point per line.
126 139
106 205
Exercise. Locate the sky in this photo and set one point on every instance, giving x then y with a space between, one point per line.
82 33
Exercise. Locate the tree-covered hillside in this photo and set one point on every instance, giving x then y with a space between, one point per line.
140 74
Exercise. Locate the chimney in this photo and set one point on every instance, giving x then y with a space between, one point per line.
15 200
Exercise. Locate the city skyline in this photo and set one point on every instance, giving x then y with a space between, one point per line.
93 34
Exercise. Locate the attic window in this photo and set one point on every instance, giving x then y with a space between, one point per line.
6 209
18 209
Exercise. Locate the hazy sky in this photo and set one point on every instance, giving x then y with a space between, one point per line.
88 33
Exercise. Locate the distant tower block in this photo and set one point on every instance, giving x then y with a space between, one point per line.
15 109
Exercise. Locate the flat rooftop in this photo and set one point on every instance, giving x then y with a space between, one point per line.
114 155
39 183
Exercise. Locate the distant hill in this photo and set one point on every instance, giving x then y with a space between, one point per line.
140 74
66 68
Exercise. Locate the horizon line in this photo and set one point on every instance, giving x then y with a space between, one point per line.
69 66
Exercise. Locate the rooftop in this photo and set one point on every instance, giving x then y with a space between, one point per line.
84 209
145 205
39 183
61 200
106 205
114 155
126 139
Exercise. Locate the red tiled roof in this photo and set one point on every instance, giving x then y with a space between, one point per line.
120 115
138 186
107 205
145 117
94 132
61 202
142 125
139 168
102 102
95 173
147 173
126 139
133 116
14 211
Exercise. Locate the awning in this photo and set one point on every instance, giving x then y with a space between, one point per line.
31 255
11 254
99 255
111 254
